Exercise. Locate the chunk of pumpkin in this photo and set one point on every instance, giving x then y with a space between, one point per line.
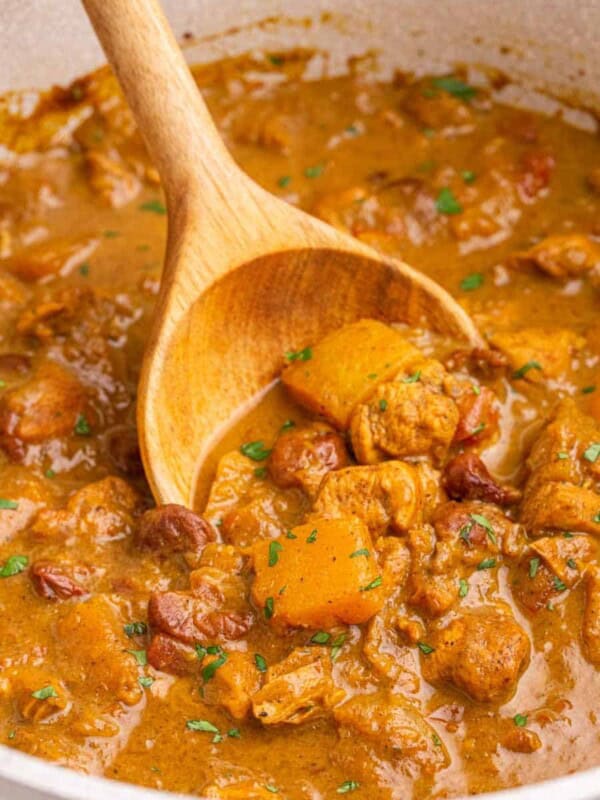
345 367
324 575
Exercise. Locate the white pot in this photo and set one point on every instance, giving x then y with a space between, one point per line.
545 44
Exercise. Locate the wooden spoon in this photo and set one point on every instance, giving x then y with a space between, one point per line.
246 278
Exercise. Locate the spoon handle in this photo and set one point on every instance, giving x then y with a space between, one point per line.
181 137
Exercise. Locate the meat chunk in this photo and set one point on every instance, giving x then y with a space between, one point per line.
297 689
91 633
46 406
302 456
50 259
215 610
345 367
477 415
233 684
466 477
172 529
536 354
566 557
561 507
563 256
246 507
318 575
591 616
52 581
482 654
391 494
478 529
25 681
391 723
411 416
168 654
100 512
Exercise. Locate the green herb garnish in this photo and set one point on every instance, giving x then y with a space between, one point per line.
13 565
446 202
522 371
472 282
425 648
155 206
274 549
255 450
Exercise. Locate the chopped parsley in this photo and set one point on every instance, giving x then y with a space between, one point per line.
347 786
592 452
255 450
82 426
464 533
155 206
146 681
588 389
571 563
8 505
261 664
289 423
269 607
13 565
436 740
274 549
260 472
487 563
383 404
446 202
471 282
480 519
373 585
561 456
312 537
135 629
534 565
520 720
596 517
522 371
321 637
337 645
463 588
111 234
425 648
270 788
299 355
200 651
455 87
290 535
209 670
362 552
284 181
412 378
140 657
44 693
558 584
84 269
468 176
49 473
314 171
234 733
479 429
201 725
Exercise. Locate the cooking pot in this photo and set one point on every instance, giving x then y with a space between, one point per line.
547 45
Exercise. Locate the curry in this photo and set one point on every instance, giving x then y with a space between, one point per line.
389 586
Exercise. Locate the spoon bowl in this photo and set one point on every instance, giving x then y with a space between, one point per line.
247 277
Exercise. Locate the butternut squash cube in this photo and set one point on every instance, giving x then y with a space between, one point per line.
345 367
318 575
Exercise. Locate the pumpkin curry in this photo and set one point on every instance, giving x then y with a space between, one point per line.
390 584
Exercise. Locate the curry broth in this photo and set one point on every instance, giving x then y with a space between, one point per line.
75 183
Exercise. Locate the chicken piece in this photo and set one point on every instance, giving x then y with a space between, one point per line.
466 477
481 653
318 575
248 508
48 405
566 557
432 106
561 507
433 579
30 494
533 583
591 616
49 259
92 639
297 689
171 529
394 725
25 682
536 354
300 457
110 178
233 684
345 367
167 654
563 256
101 512
477 529
410 416
391 494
